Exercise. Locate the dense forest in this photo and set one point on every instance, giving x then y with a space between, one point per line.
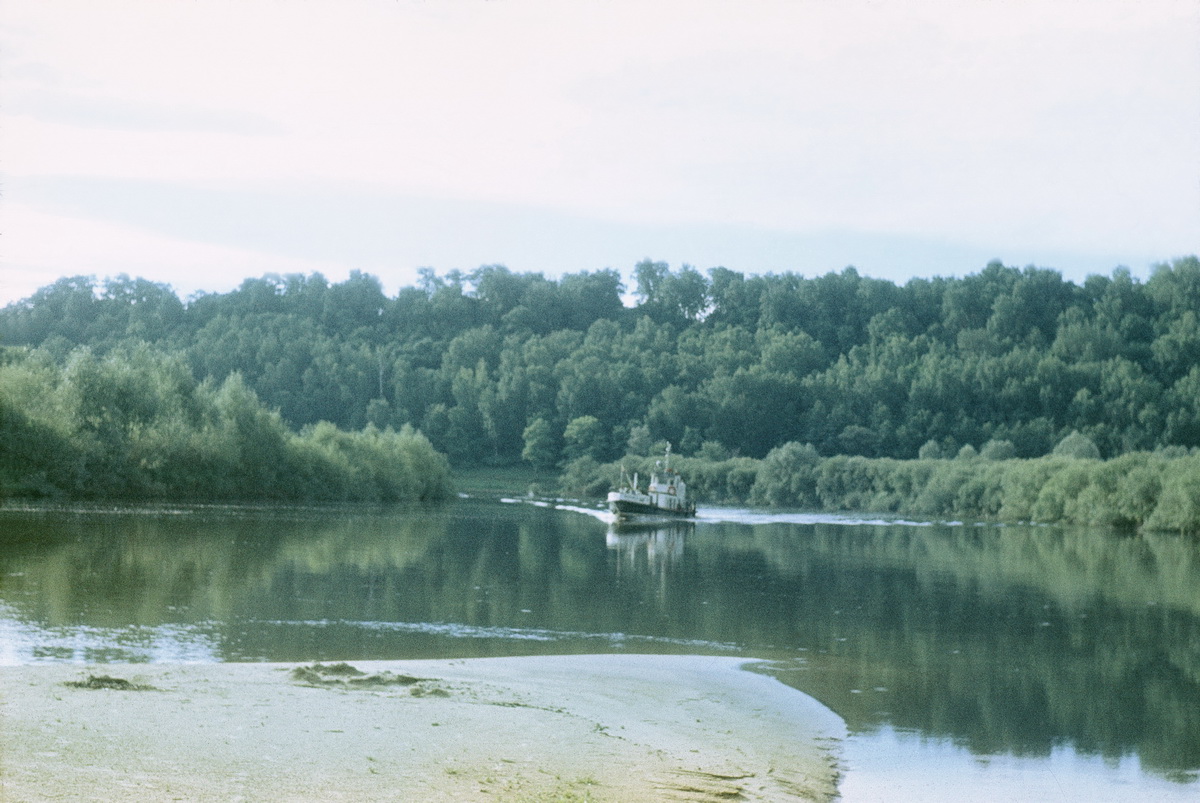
497 367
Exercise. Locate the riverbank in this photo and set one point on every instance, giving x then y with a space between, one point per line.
596 728
1150 491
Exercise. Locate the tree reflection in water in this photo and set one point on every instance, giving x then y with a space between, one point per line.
1013 640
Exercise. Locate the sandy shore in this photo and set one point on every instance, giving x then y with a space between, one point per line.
602 728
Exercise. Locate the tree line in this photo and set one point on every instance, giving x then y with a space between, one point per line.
134 424
498 367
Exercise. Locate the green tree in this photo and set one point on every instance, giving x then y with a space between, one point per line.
788 477
585 436
1078 447
542 444
998 450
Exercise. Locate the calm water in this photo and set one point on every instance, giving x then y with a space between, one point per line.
969 662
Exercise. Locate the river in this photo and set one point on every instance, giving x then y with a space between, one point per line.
969 662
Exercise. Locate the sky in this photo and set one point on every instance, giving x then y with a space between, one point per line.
202 143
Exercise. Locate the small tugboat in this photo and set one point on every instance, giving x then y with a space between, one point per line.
666 495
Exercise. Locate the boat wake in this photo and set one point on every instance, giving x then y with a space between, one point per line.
748 516
732 515
562 504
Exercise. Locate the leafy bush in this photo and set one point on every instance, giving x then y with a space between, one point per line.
1178 505
1077 446
998 450
788 476
1139 489
585 477
136 426
931 450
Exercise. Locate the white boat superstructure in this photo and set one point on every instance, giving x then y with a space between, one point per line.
666 495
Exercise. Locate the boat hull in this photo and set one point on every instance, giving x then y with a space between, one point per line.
626 508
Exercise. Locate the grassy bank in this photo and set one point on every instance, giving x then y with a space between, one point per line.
503 480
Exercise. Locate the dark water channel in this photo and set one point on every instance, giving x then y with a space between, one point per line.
969 662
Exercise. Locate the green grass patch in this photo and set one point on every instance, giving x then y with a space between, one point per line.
503 480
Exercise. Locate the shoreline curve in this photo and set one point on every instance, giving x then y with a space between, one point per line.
588 727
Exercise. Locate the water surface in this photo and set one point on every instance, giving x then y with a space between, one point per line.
1025 662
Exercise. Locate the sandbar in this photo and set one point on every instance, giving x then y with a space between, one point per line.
559 728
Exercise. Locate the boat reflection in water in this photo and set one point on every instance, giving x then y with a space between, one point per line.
978 660
645 546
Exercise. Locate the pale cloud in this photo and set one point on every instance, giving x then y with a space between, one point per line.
1057 125
39 247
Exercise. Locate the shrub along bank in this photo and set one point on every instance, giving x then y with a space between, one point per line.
136 426
1151 490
